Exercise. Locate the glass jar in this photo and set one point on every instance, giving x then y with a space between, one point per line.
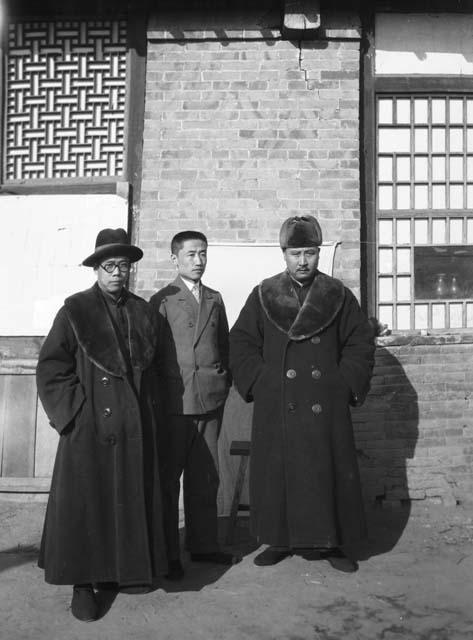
441 288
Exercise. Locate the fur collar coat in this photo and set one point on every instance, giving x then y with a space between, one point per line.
303 365
103 520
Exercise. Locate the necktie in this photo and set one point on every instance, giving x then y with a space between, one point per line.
196 292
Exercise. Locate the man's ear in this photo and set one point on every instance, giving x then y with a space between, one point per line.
174 259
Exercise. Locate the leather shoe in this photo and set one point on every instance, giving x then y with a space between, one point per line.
133 589
84 605
339 560
270 556
175 570
216 557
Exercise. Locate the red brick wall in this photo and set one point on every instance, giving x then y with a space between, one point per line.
415 431
241 134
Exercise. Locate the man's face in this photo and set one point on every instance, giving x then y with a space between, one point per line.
191 259
302 262
112 283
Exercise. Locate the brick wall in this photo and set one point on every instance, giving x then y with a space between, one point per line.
415 431
241 134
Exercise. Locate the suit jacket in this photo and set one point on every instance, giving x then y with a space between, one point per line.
193 358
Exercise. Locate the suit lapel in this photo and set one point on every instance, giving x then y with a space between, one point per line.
185 299
207 301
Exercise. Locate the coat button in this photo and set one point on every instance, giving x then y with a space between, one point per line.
291 373
112 439
291 407
316 408
107 412
315 340
316 374
105 381
191 324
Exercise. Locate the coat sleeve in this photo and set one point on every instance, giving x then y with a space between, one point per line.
357 348
223 343
246 347
59 387
163 331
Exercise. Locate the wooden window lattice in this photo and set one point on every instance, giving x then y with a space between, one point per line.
65 107
424 199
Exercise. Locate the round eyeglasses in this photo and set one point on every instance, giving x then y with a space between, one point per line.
123 266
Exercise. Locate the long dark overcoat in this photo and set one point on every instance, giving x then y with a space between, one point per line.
103 521
303 367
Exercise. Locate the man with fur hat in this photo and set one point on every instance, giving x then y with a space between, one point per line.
302 350
103 525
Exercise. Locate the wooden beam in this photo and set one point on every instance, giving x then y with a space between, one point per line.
134 115
66 185
25 485
427 84
367 166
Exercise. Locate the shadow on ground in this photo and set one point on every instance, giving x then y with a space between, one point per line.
199 574
385 528
16 556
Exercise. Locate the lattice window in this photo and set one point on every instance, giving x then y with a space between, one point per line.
66 88
424 203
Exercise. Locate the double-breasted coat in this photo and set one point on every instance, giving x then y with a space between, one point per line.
303 366
104 518
193 361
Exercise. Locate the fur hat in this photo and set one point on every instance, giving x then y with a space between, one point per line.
112 242
300 231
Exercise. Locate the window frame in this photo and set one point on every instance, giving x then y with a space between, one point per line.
374 88
127 184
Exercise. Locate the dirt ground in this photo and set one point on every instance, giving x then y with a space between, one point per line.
415 582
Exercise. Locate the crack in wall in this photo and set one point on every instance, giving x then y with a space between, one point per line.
301 68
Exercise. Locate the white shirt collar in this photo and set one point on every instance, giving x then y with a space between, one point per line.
190 284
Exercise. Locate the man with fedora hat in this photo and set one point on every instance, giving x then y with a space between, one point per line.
302 350
95 376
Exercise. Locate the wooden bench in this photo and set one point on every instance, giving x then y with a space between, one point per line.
238 448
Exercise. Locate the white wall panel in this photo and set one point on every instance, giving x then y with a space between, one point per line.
246 265
421 44
46 237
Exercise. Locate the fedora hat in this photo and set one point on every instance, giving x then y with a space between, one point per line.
300 231
112 242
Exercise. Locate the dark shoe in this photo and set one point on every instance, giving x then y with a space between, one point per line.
216 557
136 588
270 556
176 570
339 560
84 605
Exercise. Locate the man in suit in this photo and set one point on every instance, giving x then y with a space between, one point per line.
193 368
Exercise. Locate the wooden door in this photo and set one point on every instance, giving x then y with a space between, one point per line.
27 441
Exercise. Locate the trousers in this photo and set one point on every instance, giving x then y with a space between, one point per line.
190 447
